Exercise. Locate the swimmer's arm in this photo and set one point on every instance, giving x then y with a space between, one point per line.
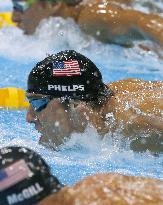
122 27
151 26
128 85
147 121
63 197
134 85
140 109
146 133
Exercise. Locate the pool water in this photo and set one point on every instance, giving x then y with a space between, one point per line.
79 156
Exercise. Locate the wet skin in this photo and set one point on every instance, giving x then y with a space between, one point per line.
106 22
30 19
56 122
52 121
109 189
135 109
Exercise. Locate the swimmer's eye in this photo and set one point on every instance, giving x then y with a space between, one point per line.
39 103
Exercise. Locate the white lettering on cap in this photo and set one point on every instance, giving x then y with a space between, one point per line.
81 87
50 87
70 88
64 88
27 193
57 87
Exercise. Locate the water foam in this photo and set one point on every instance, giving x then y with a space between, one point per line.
55 34
83 154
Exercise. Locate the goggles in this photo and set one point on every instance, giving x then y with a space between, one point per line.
23 5
20 5
38 104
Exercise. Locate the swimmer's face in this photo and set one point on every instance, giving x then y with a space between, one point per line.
29 18
52 122
56 120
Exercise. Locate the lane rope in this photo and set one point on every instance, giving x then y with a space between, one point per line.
13 98
6 19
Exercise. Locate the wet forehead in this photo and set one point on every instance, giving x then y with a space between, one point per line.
34 95
38 96
31 96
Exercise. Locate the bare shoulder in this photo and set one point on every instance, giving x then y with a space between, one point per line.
102 189
127 2
135 85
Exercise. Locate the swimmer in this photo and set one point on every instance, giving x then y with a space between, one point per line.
67 94
106 20
26 179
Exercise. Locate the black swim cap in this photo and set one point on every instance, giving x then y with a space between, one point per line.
25 178
66 74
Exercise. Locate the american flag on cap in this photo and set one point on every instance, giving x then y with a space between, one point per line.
13 174
66 68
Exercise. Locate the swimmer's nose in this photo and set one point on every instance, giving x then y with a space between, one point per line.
31 116
16 16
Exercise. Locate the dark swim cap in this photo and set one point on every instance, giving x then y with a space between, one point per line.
25 178
66 74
